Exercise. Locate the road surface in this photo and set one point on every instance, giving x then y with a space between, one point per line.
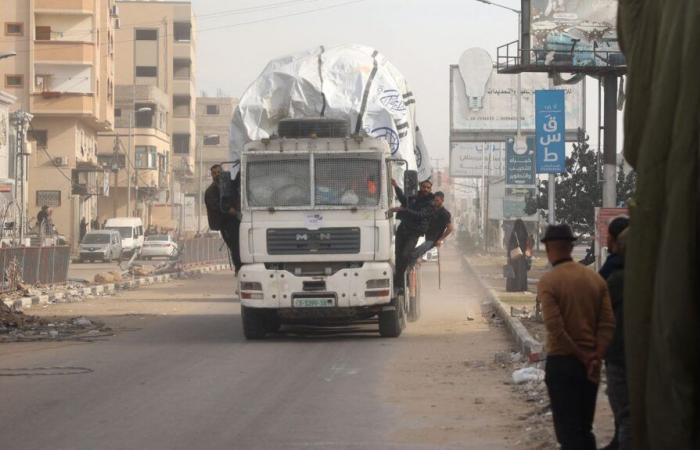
177 374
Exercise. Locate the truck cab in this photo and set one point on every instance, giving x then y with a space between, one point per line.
315 238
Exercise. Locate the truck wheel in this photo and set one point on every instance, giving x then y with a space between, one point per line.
253 323
392 321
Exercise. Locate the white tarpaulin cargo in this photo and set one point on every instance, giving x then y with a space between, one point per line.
359 85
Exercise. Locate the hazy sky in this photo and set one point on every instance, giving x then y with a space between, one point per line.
421 37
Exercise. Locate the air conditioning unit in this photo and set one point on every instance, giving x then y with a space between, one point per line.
60 161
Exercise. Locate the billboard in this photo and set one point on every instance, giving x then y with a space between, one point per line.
549 136
520 163
574 33
489 112
474 159
515 200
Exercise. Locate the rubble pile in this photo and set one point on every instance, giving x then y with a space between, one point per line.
19 327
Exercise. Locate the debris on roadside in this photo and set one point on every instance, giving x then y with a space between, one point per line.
526 374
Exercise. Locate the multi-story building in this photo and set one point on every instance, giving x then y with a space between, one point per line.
63 74
214 116
155 108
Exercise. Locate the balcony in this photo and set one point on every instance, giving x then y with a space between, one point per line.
65 6
183 50
64 52
184 86
56 103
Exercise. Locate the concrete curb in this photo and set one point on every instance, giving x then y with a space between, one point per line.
527 344
22 303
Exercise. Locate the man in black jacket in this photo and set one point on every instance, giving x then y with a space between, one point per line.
415 214
224 217
614 273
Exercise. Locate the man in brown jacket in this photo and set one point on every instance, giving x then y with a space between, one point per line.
580 324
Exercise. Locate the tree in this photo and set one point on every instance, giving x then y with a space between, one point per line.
626 184
578 190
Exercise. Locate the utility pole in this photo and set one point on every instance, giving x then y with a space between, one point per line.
21 121
610 141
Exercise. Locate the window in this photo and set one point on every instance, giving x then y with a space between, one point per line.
48 198
144 118
274 183
182 69
146 157
181 143
117 112
212 110
146 71
40 137
14 29
107 161
146 35
14 81
43 33
182 31
181 106
212 140
347 181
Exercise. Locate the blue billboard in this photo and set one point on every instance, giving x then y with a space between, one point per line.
520 163
550 129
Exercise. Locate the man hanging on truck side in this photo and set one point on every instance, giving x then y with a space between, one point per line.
224 218
440 227
415 214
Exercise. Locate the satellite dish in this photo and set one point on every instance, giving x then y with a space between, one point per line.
476 67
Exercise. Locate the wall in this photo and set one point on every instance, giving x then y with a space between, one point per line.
66 27
67 78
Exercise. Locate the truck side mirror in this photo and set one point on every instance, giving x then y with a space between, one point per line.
410 182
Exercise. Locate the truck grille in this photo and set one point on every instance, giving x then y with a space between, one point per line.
300 241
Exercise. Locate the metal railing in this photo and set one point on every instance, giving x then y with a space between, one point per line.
204 250
33 266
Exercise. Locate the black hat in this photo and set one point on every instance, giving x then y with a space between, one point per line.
560 232
618 225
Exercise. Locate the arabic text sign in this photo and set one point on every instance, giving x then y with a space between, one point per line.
549 131
474 159
520 167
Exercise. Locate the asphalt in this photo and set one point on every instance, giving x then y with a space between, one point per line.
178 374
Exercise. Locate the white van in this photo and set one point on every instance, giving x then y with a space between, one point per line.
131 231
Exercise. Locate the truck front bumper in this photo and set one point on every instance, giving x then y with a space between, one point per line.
366 286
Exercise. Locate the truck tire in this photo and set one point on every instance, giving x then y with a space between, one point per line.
392 321
253 323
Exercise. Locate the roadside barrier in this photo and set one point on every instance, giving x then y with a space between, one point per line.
204 250
33 266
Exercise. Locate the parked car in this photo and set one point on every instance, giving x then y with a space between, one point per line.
103 245
131 231
159 246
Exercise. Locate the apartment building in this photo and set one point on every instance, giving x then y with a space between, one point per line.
63 74
213 120
155 110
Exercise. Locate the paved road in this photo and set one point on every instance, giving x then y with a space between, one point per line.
178 374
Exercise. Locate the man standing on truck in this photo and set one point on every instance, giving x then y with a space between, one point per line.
224 218
415 214
440 227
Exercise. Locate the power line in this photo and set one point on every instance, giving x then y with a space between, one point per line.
234 25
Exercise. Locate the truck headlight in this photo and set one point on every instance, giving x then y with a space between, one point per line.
378 284
251 286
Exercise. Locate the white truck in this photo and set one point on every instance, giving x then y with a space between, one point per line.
315 237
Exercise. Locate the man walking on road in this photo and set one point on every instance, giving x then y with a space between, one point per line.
439 228
580 325
415 214
614 272
224 218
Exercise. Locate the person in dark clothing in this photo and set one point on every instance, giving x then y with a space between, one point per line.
95 224
224 218
614 272
42 216
415 214
518 259
83 228
439 228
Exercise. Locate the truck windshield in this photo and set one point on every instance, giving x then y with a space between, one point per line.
279 182
124 232
343 181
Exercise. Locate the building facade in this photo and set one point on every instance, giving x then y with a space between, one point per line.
155 110
214 116
63 74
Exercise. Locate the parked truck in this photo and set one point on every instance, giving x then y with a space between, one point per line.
319 138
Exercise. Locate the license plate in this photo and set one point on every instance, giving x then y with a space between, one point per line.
320 302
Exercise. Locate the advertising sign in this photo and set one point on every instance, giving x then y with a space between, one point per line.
474 159
520 163
574 33
494 116
603 216
514 202
549 134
